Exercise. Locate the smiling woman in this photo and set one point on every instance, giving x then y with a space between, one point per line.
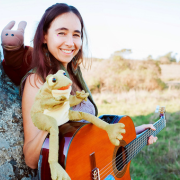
58 44
58 39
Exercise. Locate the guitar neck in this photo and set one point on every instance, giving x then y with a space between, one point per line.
141 140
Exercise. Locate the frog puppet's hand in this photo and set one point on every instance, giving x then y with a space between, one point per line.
78 98
82 95
114 132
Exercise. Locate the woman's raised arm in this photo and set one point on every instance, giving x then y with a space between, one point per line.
33 137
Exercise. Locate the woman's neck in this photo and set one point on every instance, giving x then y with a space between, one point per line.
64 64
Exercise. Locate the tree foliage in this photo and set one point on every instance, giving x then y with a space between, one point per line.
168 58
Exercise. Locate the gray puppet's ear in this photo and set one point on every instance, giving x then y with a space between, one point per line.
22 26
9 25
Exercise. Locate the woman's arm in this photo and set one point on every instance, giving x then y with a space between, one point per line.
140 129
33 137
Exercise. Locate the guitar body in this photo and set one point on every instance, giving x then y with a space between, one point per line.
78 141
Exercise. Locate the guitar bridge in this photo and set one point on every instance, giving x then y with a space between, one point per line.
95 170
95 174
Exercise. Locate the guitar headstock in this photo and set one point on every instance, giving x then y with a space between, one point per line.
162 111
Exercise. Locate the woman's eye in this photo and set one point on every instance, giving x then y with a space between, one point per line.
61 33
77 35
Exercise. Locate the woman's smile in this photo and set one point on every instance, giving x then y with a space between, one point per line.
66 51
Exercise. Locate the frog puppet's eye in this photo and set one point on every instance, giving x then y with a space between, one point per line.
54 80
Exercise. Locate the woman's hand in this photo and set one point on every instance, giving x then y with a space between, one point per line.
140 129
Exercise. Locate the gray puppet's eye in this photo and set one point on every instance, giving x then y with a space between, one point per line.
54 80
6 34
64 74
12 34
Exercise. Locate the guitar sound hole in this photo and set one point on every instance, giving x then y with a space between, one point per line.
120 158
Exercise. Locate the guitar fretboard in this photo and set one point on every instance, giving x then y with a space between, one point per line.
133 148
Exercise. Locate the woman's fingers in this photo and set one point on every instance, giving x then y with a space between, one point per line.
152 139
146 126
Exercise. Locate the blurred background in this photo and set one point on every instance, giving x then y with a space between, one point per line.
134 46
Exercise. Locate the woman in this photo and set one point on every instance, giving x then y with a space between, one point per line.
58 44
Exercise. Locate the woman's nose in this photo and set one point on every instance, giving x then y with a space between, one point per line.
69 41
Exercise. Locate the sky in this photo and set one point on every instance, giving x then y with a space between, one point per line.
147 27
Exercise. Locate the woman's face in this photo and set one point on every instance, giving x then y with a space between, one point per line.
64 37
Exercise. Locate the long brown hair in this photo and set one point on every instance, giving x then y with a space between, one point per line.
39 60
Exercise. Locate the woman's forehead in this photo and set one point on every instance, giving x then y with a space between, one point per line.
67 20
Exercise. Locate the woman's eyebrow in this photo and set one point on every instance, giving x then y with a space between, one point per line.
63 28
78 31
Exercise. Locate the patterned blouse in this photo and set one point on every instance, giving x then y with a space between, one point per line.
85 106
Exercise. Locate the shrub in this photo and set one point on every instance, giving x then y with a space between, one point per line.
117 75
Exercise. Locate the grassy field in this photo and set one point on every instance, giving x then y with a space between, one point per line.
160 161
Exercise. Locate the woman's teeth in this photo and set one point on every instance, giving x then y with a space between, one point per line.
66 51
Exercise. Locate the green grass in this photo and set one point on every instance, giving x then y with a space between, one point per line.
160 161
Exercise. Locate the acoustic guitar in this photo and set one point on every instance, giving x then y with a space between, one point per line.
86 153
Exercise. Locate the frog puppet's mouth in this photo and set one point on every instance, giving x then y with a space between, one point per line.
65 87
63 91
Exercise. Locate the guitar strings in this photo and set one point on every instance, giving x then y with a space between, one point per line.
120 155
129 157
117 157
114 165
125 150
136 150
142 145
130 146
124 161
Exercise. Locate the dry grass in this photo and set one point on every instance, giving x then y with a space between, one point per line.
136 103
170 72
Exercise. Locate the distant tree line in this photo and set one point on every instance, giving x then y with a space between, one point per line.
170 57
